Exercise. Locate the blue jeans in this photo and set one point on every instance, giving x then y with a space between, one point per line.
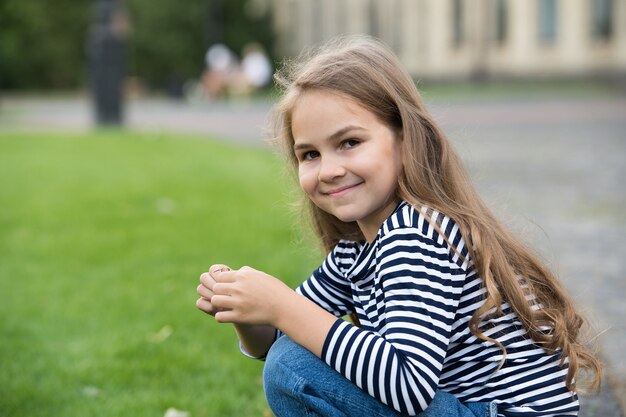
299 384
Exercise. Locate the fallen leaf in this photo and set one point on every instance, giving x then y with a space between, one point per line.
172 412
90 391
165 206
161 335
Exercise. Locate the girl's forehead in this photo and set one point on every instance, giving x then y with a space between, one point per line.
323 93
321 115
315 101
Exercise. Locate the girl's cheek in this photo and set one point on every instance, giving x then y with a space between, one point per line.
308 180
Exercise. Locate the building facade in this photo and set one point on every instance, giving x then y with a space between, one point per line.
460 39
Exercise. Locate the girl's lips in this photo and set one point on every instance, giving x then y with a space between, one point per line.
342 190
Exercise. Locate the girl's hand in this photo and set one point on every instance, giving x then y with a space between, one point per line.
257 304
247 296
205 290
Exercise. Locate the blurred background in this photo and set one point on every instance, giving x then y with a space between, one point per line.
211 48
133 155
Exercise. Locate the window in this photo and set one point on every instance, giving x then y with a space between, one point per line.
398 27
317 32
501 23
458 26
547 21
294 38
601 23
342 16
374 27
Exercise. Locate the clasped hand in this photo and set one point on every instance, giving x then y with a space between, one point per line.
244 296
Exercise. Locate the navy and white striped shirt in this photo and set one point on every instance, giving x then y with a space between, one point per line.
414 296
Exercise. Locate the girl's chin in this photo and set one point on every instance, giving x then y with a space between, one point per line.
345 217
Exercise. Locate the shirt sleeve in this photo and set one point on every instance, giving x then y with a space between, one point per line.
400 364
327 286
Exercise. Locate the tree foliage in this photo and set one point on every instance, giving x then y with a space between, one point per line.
167 39
43 43
170 38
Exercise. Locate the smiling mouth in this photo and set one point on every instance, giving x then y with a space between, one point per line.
342 190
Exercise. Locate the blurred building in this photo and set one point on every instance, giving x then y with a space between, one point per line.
451 39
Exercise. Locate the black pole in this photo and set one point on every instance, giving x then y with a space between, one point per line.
215 32
106 52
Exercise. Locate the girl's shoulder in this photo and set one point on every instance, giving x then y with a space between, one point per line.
424 220
429 226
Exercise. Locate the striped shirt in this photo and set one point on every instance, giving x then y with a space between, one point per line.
414 294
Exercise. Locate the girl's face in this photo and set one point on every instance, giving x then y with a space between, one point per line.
348 160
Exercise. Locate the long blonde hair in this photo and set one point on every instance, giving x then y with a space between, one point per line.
365 70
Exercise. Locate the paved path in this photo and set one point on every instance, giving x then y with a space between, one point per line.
243 121
556 170
553 167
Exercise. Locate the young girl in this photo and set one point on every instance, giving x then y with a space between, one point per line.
455 316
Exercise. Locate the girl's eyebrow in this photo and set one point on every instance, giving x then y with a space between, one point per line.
332 137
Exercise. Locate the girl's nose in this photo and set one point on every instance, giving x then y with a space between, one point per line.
330 168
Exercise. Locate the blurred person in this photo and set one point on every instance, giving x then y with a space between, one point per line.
452 314
221 66
256 66
254 72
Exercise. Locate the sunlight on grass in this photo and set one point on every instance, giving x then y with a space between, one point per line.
102 239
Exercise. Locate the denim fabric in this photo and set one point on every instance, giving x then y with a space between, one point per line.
298 383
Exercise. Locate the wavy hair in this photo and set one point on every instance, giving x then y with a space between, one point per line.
366 70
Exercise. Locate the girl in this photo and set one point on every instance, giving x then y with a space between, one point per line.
455 317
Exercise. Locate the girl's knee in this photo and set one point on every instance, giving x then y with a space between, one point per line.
282 346
284 375
282 351
281 362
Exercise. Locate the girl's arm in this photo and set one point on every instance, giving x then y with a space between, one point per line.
420 287
257 303
255 339
401 369
332 294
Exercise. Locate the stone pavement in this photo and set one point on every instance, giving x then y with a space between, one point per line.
552 167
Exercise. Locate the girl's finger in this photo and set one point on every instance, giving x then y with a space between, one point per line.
204 292
224 276
218 268
222 302
226 316
207 280
223 288
205 305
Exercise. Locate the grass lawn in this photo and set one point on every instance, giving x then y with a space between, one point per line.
102 239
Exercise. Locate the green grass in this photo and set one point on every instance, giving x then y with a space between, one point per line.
102 239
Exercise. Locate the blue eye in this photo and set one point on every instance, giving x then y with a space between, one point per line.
349 143
309 155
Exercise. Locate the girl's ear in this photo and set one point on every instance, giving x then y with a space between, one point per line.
398 134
